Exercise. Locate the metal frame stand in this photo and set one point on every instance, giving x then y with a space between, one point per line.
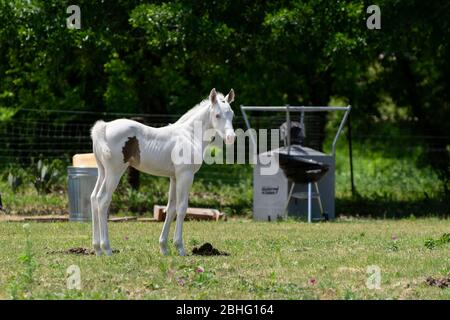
302 109
309 196
289 109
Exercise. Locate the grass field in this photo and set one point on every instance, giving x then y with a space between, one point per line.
283 260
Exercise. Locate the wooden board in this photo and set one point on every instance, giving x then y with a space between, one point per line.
159 213
122 219
43 218
46 219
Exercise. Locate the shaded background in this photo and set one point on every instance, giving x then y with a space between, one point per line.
132 58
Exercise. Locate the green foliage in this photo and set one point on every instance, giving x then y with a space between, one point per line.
162 23
409 70
162 57
120 94
349 294
393 246
14 182
15 176
6 113
431 243
46 176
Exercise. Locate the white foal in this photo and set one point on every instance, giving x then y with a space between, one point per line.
122 143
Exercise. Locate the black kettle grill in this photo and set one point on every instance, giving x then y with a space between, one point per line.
299 169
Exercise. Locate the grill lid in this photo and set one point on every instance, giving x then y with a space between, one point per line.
299 169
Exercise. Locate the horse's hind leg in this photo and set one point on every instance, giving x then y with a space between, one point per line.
94 209
104 197
170 215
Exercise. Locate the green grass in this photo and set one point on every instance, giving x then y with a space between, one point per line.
385 176
28 202
284 260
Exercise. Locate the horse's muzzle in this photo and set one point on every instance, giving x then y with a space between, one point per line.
230 136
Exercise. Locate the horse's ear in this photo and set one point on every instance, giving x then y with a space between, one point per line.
230 96
213 96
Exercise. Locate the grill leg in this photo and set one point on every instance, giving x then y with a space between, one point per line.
318 198
289 198
309 202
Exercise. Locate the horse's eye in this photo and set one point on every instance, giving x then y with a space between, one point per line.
217 115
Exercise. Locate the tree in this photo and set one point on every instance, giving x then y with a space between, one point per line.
163 57
413 50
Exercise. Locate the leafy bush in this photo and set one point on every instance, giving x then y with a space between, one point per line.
14 182
15 177
431 243
46 176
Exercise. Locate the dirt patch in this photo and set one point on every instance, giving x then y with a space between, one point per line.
207 249
439 282
78 251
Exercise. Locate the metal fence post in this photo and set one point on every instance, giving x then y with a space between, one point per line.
350 155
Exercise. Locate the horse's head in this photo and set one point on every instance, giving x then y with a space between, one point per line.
222 115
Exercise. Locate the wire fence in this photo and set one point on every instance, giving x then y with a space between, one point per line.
26 137
60 134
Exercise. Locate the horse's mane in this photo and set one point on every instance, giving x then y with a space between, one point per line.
196 109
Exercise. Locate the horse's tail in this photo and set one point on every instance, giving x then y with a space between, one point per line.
98 135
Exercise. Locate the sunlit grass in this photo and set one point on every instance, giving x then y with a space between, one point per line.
285 260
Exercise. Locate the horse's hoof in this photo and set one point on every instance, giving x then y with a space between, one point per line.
182 252
98 250
164 251
106 249
163 247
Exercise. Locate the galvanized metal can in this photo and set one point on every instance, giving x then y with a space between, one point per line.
81 184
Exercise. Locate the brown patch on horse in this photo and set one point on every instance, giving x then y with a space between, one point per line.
131 151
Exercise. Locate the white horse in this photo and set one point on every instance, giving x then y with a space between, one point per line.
122 143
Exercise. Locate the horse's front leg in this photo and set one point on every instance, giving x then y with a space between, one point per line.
183 185
170 215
